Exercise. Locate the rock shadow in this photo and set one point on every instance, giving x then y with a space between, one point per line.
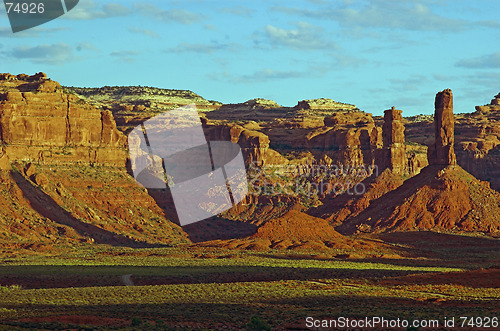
213 228
44 205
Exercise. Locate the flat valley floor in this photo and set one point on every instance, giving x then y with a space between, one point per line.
415 275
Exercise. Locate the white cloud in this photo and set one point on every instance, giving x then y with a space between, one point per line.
146 32
268 74
125 56
55 54
239 11
403 15
410 83
304 37
84 46
6 32
167 16
89 10
489 61
202 48
259 76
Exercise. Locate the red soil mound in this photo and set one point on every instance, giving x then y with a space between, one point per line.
439 197
297 226
339 208
294 230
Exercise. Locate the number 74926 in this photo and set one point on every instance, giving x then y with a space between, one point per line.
479 322
25 7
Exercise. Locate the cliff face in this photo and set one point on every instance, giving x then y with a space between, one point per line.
478 142
254 144
494 105
70 184
443 152
354 138
347 138
41 123
325 104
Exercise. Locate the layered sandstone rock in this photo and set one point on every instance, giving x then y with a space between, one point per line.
41 123
354 138
441 196
149 97
394 161
443 152
493 106
347 138
394 141
325 104
477 140
253 104
346 118
133 105
62 194
254 144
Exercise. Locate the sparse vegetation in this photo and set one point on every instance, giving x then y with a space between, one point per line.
234 289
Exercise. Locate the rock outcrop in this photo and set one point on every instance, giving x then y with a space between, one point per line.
345 118
493 106
441 196
443 152
254 144
353 138
394 154
253 104
477 140
325 104
149 97
132 105
347 138
41 123
71 186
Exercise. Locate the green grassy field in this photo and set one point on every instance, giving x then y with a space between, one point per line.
208 288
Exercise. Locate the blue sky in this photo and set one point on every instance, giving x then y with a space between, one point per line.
374 53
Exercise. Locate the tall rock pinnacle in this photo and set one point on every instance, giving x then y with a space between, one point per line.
394 140
443 153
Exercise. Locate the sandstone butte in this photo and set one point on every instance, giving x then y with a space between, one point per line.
394 162
41 123
63 175
442 196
